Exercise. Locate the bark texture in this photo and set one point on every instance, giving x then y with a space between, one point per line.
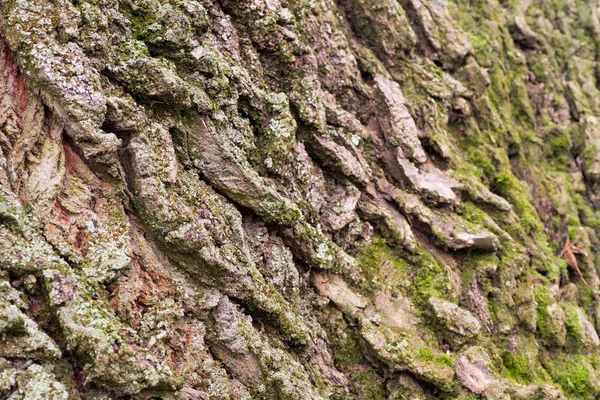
307 199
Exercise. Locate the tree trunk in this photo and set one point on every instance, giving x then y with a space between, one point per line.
312 199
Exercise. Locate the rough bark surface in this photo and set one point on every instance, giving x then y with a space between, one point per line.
312 199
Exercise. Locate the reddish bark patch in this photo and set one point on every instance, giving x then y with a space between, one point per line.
142 287
82 242
12 80
62 213
73 162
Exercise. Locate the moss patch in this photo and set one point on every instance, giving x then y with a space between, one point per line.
417 276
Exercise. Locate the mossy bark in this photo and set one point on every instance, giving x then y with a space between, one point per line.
311 199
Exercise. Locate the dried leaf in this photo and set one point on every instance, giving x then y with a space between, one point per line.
568 252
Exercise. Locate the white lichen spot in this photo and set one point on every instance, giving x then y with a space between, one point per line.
323 252
269 162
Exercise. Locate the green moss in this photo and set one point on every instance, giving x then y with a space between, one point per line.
371 259
417 276
589 156
344 339
473 214
426 354
518 367
550 327
508 186
431 280
540 71
543 296
557 147
560 140
266 298
573 326
574 376
587 215
369 385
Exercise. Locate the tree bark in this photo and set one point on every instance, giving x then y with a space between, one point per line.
312 199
